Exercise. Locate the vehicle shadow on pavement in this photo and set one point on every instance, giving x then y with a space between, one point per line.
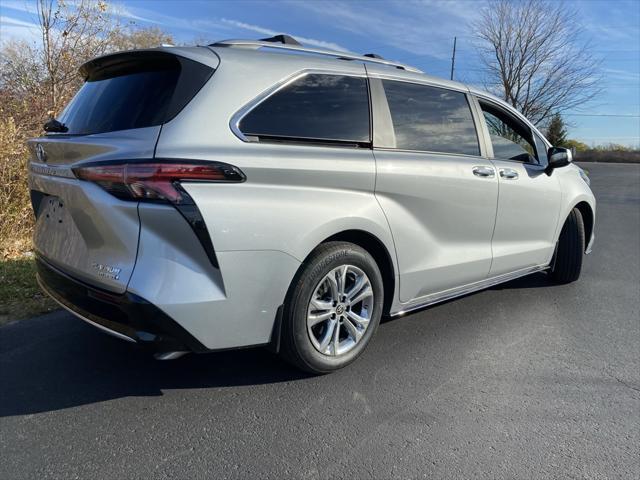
74 364
56 361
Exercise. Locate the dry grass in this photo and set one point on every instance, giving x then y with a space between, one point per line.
16 221
20 295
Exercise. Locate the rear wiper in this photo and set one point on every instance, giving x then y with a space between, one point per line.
55 126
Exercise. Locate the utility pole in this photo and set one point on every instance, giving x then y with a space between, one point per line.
453 57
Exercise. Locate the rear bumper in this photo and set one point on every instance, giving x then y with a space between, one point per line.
126 316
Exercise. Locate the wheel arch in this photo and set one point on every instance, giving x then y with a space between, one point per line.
588 218
369 242
380 254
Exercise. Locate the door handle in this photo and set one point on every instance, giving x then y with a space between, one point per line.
481 171
509 173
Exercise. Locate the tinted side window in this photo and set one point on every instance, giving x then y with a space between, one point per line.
431 119
314 107
510 138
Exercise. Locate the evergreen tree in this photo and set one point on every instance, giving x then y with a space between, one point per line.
557 131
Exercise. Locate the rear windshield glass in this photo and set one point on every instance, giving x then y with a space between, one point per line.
137 93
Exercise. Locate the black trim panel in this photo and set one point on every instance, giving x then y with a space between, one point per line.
191 213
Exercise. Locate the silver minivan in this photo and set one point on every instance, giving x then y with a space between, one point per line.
263 193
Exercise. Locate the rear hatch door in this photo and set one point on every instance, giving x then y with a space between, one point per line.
80 228
116 116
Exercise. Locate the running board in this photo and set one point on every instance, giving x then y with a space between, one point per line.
467 289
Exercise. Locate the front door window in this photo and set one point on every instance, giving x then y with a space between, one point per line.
511 139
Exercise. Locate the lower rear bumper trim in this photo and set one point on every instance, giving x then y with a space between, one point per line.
125 316
82 317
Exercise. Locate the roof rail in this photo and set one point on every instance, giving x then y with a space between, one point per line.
286 42
284 39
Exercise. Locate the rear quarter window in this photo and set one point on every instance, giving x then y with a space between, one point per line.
320 107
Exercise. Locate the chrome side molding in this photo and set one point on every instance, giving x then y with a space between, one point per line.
467 289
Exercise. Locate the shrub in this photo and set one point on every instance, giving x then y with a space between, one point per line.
16 221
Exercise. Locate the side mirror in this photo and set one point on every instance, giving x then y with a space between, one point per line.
559 157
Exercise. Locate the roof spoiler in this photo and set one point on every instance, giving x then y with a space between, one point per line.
116 59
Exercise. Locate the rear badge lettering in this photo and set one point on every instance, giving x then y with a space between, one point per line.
41 169
107 271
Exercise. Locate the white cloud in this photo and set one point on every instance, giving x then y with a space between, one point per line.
212 28
623 75
268 31
209 28
420 28
117 8
15 22
21 6
14 28
124 12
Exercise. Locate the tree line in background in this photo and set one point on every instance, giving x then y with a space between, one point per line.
556 133
531 51
37 79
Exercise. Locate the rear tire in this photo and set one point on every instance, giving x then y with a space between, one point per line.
567 262
332 309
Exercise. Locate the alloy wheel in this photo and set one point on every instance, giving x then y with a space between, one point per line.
340 310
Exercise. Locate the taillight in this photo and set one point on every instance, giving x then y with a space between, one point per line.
159 180
156 180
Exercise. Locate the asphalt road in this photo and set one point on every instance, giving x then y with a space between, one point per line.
526 380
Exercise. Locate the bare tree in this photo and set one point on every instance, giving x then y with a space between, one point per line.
71 33
43 76
131 37
534 58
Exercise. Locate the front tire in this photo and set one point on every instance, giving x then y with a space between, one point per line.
567 263
333 308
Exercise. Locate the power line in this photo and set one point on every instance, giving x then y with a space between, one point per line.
621 115
596 50
411 58
607 85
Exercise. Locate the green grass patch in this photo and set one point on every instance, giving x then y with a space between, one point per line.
20 295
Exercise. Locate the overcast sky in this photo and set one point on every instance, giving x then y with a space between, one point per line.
417 33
